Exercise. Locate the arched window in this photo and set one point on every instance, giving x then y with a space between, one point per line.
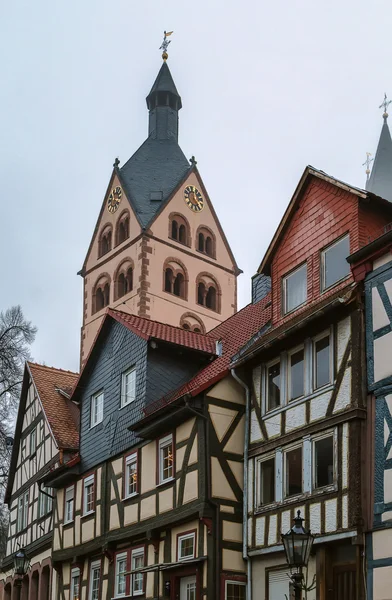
191 322
208 292
123 281
105 241
206 241
201 293
175 278
186 326
122 227
179 229
101 293
211 298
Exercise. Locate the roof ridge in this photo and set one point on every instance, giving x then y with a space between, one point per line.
159 322
47 368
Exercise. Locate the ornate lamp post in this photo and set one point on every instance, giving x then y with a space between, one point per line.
297 545
21 565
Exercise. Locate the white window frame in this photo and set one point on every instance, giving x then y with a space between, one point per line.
94 566
135 553
181 538
120 558
33 436
232 582
44 502
164 443
96 418
316 438
268 365
87 481
259 462
317 338
285 278
124 398
323 286
288 371
75 573
285 452
69 519
22 511
131 459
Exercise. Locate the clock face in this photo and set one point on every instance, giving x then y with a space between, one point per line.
193 198
114 199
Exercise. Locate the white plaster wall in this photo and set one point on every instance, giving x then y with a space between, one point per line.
343 335
272 532
330 515
295 417
382 260
257 384
382 357
319 405
255 431
380 317
273 426
315 517
343 399
345 511
260 529
382 578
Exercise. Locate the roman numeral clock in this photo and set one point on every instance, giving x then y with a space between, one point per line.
193 198
114 199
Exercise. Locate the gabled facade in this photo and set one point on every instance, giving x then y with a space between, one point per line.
46 434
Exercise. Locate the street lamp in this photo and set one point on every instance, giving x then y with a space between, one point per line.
297 545
21 565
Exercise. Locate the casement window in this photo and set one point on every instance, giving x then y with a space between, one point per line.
273 385
88 494
323 462
293 472
266 481
96 409
131 475
334 266
128 386
75 585
120 578
69 504
186 546
322 362
95 580
22 511
33 441
235 590
166 459
295 289
45 502
137 579
296 374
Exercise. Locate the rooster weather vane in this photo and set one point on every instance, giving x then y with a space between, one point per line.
165 45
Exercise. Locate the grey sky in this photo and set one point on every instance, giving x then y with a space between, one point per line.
267 88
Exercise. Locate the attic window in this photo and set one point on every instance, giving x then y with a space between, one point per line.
295 289
156 196
334 266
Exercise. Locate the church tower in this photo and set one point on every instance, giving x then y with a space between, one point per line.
158 249
380 180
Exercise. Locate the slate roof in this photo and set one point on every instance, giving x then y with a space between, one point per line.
233 333
380 180
148 329
61 413
164 83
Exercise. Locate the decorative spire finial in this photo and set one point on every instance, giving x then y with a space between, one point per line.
368 162
193 161
116 162
384 104
165 44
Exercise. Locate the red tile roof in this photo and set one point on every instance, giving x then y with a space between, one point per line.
147 329
62 414
233 333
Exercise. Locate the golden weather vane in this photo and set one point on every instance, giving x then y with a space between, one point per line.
384 104
165 44
368 162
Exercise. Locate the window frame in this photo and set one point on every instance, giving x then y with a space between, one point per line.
75 572
288 371
45 503
33 437
268 365
120 556
162 443
94 397
316 438
285 278
70 487
123 386
192 534
317 338
22 510
86 481
94 565
285 451
323 287
259 462
135 553
133 457
234 582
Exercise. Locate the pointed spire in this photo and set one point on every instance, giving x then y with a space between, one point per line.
380 180
163 103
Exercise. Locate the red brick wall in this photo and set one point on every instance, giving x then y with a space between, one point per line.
371 224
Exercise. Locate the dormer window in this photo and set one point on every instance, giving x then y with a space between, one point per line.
334 266
295 289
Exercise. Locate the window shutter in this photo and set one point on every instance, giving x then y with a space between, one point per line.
278 585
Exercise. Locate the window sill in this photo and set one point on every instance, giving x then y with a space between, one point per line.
207 307
287 502
131 497
290 312
205 254
91 513
96 424
166 482
186 559
178 242
175 296
327 289
127 404
276 411
68 523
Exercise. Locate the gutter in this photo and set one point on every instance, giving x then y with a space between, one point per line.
245 555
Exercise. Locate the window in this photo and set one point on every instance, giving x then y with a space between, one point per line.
323 452
137 562
88 494
293 468
321 361
96 409
105 241
205 241
295 289
266 488
175 279
235 590
334 266
124 279
122 228
296 377
131 475
186 546
165 458
273 386
179 229
95 580
208 292
23 507
45 502
101 294
128 386
33 441
121 569
75 584
69 504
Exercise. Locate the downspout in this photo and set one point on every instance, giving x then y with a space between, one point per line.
246 487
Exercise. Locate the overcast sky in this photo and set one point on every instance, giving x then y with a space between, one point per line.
267 88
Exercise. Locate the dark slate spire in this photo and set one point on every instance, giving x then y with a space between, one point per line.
163 103
380 180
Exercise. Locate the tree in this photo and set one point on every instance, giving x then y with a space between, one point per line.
16 336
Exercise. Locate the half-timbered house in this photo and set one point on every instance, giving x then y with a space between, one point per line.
306 377
46 435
